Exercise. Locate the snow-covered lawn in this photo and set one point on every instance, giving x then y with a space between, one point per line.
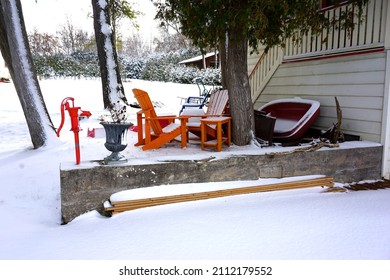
297 224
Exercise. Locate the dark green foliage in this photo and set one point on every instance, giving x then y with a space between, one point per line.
268 22
132 67
232 25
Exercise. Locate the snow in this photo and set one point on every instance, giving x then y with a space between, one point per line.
163 190
197 58
300 224
170 127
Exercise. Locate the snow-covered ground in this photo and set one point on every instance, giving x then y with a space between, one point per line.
296 224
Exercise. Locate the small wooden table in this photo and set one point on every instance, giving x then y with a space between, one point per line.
218 122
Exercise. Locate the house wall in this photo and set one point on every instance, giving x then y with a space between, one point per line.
252 60
357 81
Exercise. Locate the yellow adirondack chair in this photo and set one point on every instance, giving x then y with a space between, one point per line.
217 107
156 136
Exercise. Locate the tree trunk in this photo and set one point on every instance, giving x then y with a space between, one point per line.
16 52
239 90
108 59
4 47
223 59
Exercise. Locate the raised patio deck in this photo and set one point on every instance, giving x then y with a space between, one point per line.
87 186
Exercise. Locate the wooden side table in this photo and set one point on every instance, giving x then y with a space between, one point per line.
218 122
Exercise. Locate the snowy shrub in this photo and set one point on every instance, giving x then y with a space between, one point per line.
131 67
162 67
211 76
188 75
85 64
182 74
158 66
60 65
165 67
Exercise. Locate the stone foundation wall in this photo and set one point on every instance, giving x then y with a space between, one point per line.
86 188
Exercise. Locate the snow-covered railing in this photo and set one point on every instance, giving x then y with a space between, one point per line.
369 33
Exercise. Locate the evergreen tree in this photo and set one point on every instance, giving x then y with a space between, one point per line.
232 26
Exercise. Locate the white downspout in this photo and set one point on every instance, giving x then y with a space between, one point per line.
386 121
385 139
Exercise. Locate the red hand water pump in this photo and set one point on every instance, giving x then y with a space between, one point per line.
74 113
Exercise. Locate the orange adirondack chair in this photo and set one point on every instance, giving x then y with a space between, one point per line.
155 135
217 107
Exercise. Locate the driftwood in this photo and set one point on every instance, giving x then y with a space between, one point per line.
310 148
361 186
334 134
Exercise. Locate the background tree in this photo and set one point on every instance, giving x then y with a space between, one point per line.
73 39
135 46
43 43
233 25
16 53
120 9
171 40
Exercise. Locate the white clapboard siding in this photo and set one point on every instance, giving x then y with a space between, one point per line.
357 81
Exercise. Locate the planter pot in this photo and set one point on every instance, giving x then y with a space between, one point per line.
116 135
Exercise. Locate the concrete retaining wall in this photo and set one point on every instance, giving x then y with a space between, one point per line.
85 188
